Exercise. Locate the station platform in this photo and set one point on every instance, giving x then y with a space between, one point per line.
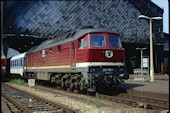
158 89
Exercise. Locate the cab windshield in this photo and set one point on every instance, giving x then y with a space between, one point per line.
98 41
114 41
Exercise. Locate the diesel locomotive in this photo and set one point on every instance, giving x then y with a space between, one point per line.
82 59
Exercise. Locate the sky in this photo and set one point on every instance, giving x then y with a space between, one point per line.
164 5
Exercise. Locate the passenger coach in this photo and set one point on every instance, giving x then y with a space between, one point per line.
17 64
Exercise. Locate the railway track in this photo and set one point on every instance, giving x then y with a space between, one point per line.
136 101
22 102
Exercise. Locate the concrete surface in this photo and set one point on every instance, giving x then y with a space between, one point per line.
4 107
157 89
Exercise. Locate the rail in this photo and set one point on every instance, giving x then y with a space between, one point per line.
21 100
137 101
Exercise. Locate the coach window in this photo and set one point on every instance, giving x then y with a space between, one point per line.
21 62
73 46
46 51
51 51
59 49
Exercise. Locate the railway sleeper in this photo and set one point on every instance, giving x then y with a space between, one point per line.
143 105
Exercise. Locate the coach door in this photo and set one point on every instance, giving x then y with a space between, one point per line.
73 55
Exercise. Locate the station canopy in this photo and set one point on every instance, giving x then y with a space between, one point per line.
49 19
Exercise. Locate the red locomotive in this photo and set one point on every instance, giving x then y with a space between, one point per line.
81 60
3 64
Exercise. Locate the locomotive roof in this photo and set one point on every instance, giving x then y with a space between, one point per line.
67 37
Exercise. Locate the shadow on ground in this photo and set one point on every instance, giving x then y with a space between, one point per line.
117 89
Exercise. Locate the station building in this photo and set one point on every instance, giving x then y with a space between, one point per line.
48 19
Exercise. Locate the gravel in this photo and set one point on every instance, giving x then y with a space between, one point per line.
84 104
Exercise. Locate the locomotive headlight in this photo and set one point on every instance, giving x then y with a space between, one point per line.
121 75
109 54
92 69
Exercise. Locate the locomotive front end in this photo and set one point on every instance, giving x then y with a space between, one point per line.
106 60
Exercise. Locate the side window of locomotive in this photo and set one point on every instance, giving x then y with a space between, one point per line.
51 51
40 53
73 46
46 51
59 49
37 54
83 43
114 41
98 41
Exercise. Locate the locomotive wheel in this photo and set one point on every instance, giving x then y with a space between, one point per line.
58 79
63 85
67 81
72 87
79 88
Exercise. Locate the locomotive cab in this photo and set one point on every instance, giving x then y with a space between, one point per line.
104 58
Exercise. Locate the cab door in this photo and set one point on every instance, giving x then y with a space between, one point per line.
73 55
